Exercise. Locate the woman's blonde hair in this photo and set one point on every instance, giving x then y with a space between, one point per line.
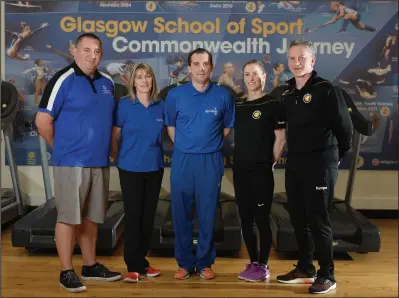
132 89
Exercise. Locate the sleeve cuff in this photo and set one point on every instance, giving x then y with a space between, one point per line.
44 110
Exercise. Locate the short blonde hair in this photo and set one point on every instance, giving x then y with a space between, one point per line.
305 43
132 89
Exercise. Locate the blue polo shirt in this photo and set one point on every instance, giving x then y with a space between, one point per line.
140 145
199 117
82 108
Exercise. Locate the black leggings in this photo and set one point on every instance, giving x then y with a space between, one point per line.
140 192
254 186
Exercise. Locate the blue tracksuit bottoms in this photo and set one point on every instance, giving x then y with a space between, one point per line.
195 179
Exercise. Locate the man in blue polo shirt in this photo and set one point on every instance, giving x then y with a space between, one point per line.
198 115
75 118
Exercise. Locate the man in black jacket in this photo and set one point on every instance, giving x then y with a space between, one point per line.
319 135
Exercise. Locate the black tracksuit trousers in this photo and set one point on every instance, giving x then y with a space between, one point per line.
140 192
310 192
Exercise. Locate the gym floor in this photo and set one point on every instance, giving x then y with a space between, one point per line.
360 275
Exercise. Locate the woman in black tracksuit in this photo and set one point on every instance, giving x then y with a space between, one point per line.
259 138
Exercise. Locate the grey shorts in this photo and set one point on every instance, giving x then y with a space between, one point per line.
81 193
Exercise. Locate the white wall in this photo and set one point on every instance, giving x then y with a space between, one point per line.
372 190
2 68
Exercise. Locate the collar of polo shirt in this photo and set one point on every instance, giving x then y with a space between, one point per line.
196 92
80 72
136 101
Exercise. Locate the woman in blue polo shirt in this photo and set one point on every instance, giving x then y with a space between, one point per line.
137 145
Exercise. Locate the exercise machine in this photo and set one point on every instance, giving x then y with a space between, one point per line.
37 228
227 232
12 199
352 232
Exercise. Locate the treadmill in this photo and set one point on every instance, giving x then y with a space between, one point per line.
12 199
36 230
352 232
227 232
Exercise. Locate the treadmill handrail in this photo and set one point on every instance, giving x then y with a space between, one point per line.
361 126
45 169
10 152
360 123
353 166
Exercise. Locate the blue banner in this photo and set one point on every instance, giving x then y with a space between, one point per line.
357 52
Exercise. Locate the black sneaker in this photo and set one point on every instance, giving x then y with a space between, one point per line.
70 281
296 276
322 285
99 272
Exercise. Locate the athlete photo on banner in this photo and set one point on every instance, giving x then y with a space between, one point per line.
13 6
356 44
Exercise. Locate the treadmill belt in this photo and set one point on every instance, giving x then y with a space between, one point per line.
168 230
46 225
7 197
5 201
341 223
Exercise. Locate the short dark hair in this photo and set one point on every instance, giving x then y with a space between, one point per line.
276 65
88 35
200 51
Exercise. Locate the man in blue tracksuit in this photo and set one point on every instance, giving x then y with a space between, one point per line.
199 115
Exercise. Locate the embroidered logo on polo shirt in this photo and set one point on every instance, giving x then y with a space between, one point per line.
105 90
160 120
256 114
214 111
307 98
